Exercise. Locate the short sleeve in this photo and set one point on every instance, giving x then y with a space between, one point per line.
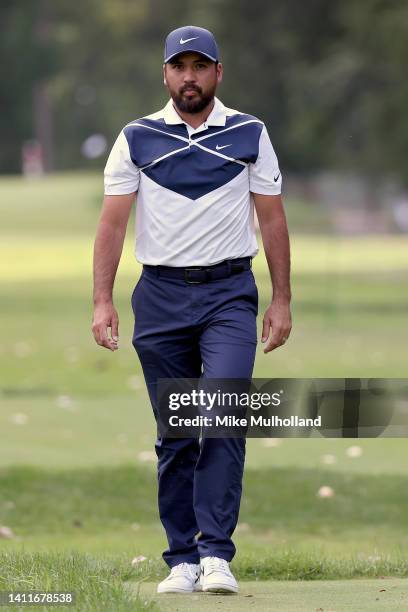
264 174
121 175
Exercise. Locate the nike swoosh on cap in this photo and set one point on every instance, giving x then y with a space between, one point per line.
218 147
183 42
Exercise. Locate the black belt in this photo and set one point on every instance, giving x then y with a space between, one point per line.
202 274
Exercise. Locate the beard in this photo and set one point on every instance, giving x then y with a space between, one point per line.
196 104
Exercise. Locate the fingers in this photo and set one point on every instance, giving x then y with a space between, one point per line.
265 330
278 339
280 334
115 328
100 332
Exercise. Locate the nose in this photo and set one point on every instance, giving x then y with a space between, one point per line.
189 76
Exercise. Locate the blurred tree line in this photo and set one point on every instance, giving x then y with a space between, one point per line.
328 78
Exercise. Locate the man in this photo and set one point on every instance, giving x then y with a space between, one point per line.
198 168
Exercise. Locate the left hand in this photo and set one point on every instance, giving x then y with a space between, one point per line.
278 318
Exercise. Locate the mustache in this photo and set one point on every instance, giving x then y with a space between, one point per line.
190 87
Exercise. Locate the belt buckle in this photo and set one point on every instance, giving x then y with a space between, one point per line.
192 269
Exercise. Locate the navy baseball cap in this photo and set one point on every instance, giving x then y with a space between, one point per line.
190 38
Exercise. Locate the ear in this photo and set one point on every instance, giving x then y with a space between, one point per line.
219 72
164 74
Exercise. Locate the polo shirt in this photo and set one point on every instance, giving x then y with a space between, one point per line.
194 205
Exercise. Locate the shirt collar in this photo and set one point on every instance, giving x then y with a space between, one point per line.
216 117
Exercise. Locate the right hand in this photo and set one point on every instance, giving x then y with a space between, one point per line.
106 316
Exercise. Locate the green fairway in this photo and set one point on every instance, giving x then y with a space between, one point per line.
75 430
361 596
284 529
77 462
109 584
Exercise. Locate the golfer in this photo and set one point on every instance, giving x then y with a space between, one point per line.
196 169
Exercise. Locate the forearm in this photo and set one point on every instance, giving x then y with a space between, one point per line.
277 252
107 252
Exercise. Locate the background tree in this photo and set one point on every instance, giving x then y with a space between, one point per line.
327 77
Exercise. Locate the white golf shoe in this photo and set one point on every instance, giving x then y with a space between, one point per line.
216 576
183 578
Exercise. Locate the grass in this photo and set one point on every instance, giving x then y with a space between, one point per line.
282 596
77 478
47 345
59 432
108 584
97 583
111 510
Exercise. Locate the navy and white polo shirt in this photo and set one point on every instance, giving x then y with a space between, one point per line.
194 204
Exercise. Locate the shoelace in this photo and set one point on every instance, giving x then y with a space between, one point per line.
215 564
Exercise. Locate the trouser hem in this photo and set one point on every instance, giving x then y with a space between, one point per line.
218 553
182 559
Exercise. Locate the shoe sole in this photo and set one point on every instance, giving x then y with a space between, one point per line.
175 590
220 588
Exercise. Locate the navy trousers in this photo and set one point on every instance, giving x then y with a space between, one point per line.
186 331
